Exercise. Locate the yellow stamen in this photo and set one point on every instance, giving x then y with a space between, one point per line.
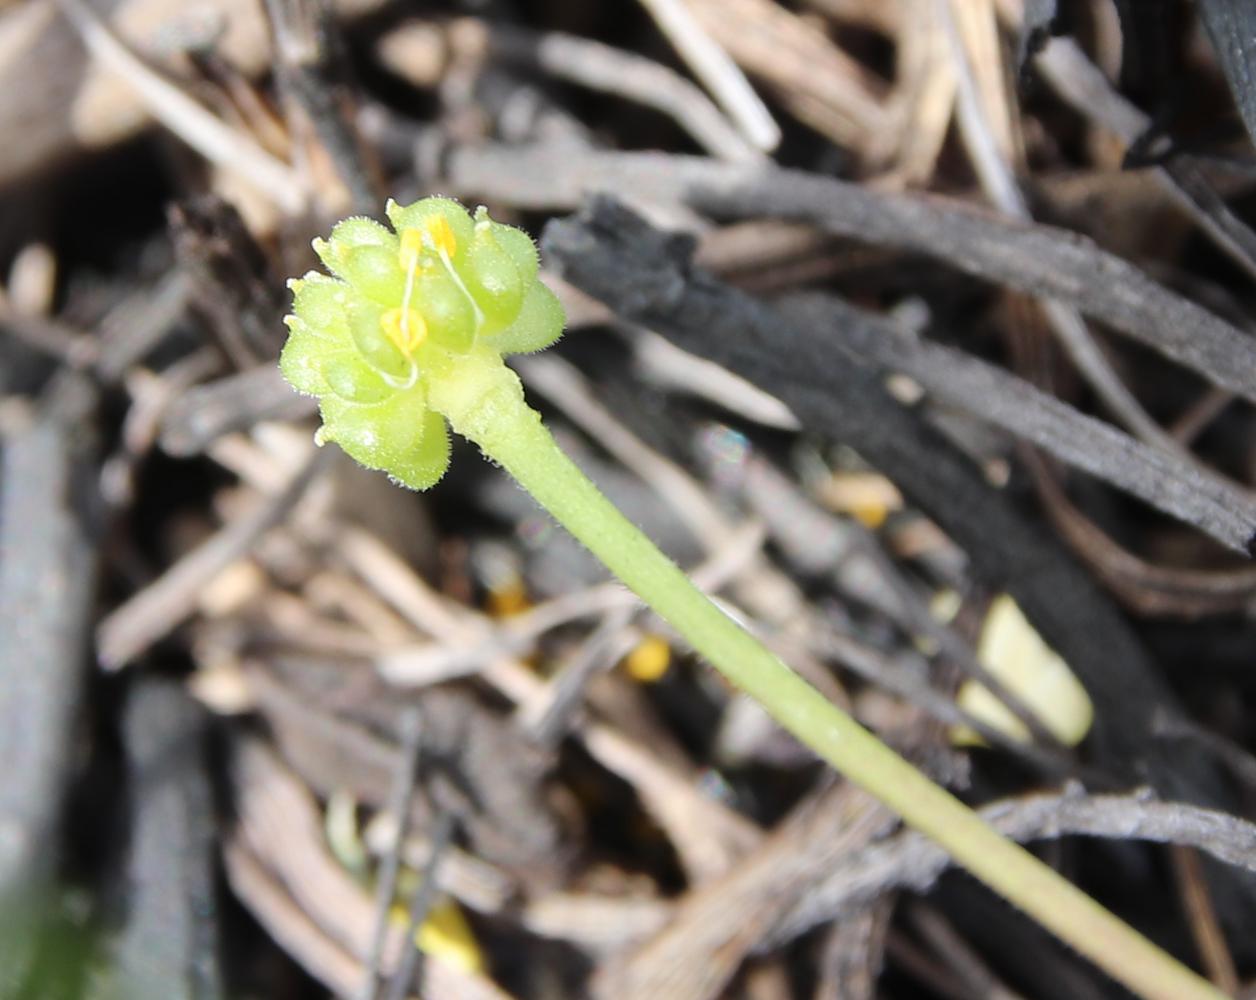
442 235
434 235
411 249
405 328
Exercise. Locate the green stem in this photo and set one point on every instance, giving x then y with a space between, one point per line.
483 401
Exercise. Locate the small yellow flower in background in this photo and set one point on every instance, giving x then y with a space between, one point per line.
446 935
649 660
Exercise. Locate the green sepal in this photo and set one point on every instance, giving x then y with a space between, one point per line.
425 465
399 436
352 234
492 279
445 307
319 301
301 361
371 342
539 324
414 216
352 379
376 273
516 244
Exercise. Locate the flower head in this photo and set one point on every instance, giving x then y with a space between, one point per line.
398 305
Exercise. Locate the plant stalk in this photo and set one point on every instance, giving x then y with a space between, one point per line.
483 401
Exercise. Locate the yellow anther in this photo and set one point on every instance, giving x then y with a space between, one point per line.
435 235
405 328
441 234
411 249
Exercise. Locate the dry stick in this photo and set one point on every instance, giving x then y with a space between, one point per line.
908 861
1231 27
962 959
160 607
458 655
286 921
719 922
713 67
1082 85
853 953
772 494
707 833
955 648
706 521
1034 258
229 279
1150 589
1000 186
207 134
301 29
908 684
1202 917
1004 400
420 905
617 71
603 648
280 826
766 592
917 963
47 592
170 944
815 80
399 807
675 369
210 410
